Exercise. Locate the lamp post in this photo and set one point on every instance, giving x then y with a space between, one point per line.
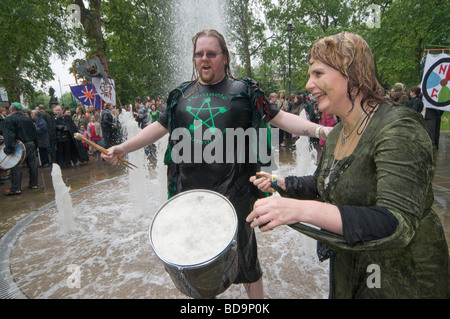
289 29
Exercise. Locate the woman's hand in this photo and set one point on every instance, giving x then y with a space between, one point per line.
262 181
271 212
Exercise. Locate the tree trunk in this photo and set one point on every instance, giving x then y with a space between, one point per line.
92 23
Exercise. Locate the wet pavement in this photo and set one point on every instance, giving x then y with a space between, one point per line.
14 208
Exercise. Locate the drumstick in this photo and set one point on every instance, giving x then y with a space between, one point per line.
281 191
78 136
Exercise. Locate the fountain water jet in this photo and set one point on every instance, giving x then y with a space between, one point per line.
63 201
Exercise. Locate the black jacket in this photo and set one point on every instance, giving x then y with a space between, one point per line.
18 127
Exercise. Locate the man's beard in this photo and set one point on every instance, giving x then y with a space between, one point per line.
206 79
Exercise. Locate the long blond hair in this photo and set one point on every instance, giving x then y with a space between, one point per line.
350 54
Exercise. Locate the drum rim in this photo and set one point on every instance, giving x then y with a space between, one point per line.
22 156
203 263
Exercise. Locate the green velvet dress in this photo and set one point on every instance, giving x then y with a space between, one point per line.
392 166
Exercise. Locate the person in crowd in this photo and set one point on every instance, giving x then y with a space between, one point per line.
290 102
42 137
299 104
160 105
20 127
236 103
93 111
80 118
82 130
2 119
433 122
154 113
399 95
142 116
416 103
108 125
69 150
282 105
94 133
369 203
296 108
67 111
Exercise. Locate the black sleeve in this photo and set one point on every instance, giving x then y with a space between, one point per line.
362 224
163 118
304 187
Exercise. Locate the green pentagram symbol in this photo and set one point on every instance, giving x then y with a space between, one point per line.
209 122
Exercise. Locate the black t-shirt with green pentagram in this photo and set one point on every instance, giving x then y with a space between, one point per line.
208 118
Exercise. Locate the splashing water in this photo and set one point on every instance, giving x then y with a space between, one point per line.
63 202
306 155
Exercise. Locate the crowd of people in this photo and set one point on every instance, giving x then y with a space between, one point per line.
50 139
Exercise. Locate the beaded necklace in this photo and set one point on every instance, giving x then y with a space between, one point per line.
343 140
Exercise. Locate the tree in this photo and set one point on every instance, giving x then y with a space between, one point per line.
31 31
133 38
246 30
90 18
140 51
406 28
311 20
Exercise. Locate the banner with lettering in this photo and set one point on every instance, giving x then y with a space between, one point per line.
436 82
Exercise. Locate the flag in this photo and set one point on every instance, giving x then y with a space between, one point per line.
92 68
436 82
85 93
106 91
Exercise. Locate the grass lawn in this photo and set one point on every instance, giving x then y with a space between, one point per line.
445 121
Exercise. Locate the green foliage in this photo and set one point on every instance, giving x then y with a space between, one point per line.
445 121
31 31
407 26
138 34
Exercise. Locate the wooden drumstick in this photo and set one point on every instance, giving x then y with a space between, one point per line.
78 136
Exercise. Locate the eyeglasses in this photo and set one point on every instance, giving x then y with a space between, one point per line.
209 55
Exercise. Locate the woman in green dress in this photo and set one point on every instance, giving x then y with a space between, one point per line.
370 198
153 112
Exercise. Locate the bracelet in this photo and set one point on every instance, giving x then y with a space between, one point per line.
318 131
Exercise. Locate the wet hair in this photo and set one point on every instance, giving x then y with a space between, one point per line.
223 47
350 54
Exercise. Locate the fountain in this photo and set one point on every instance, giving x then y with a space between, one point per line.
63 201
109 254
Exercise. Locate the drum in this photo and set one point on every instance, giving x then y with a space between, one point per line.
194 235
12 160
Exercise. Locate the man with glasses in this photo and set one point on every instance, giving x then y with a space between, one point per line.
215 103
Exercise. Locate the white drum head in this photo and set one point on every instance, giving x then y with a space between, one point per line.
193 228
12 160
